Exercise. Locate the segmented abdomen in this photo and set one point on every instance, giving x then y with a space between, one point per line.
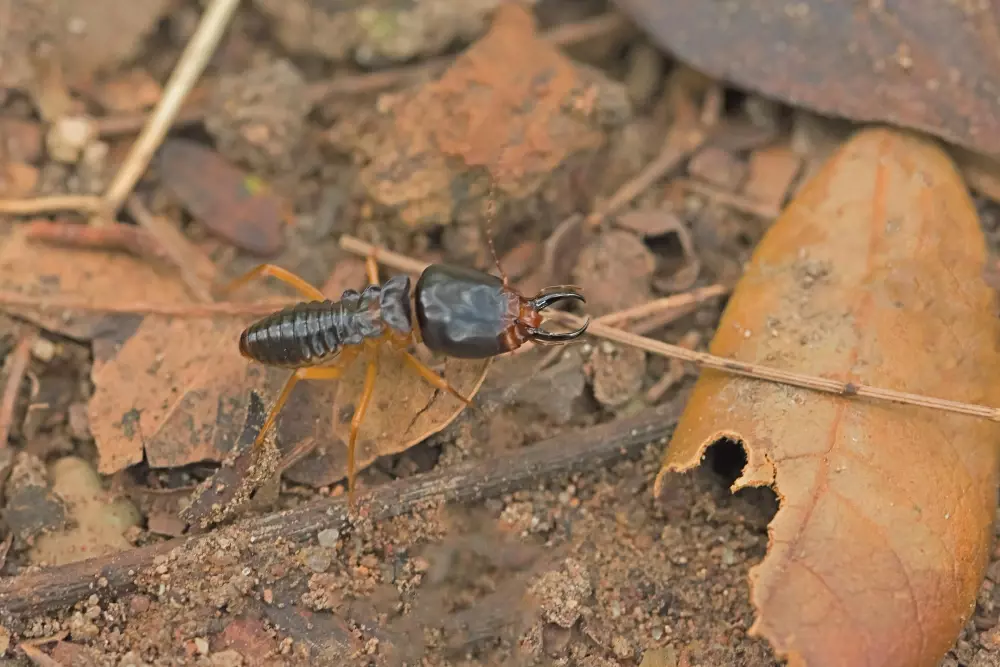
308 334
305 334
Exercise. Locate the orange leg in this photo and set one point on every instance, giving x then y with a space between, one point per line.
281 274
359 415
433 378
332 372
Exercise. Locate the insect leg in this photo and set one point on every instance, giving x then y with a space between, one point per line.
359 415
281 274
331 372
433 378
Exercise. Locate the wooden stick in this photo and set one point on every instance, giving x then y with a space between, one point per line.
706 360
192 63
58 588
16 366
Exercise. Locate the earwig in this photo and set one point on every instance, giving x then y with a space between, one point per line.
454 311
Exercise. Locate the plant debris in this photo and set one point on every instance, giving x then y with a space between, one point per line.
234 206
878 254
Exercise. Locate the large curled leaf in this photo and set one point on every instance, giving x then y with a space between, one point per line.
872 275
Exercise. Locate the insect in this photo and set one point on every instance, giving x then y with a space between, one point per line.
455 311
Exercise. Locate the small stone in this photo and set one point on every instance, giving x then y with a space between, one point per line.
328 538
317 559
139 604
228 658
4 640
68 136
621 647
79 421
201 645
43 349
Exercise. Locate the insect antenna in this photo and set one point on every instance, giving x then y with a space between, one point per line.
491 215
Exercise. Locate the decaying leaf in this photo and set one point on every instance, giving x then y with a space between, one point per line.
39 271
872 275
404 410
232 204
177 391
921 65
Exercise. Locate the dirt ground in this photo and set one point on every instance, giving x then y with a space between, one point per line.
582 569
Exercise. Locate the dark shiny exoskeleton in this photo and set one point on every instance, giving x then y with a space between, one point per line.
454 311
314 332
460 312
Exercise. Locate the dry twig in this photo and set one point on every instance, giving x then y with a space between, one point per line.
231 308
128 238
197 53
705 360
39 205
15 366
59 588
175 245
737 202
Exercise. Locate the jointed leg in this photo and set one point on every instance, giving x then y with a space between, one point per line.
281 274
312 373
433 378
359 415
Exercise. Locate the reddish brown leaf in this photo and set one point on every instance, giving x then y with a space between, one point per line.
404 411
231 204
41 271
772 172
177 390
872 275
928 66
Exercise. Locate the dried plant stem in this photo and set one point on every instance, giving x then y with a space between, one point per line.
181 252
128 238
15 366
40 205
190 66
735 201
705 360
656 306
232 308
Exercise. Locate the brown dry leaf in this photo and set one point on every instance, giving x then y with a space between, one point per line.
927 66
404 411
232 204
872 275
177 390
40 271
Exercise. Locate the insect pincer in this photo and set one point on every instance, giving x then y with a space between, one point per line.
548 297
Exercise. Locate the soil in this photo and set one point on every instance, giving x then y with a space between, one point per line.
588 569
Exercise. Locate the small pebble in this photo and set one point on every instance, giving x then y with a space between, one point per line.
317 559
67 138
43 349
328 538
201 644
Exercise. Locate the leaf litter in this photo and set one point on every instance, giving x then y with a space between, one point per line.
877 257
176 392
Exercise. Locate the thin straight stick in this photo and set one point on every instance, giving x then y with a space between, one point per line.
705 360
